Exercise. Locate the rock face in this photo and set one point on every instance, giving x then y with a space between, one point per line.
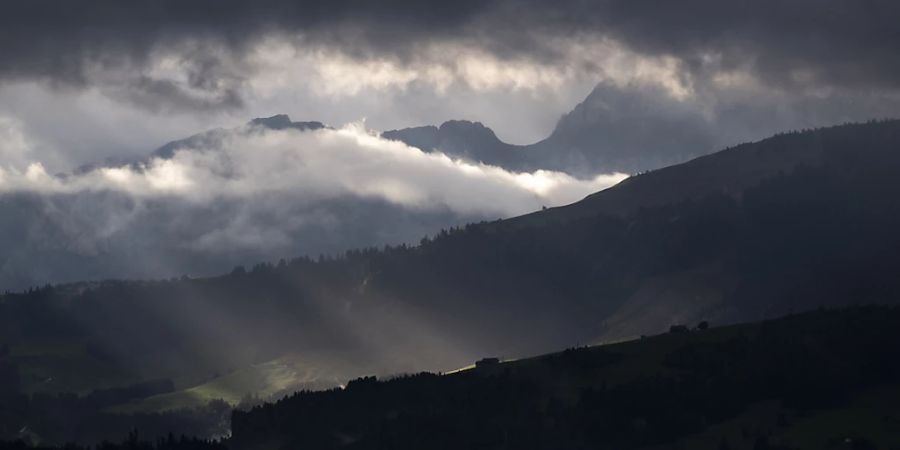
471 141
645 130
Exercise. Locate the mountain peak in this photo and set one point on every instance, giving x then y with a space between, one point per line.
458 138
614 129
466 126
283 122
276 122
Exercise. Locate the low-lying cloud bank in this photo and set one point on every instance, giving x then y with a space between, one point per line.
249 194
317 165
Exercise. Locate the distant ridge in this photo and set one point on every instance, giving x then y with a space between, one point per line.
643 132
463 139
207 138
283 121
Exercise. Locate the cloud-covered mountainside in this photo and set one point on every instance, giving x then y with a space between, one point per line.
270 189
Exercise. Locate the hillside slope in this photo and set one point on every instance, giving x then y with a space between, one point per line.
813 381
730 171
792 223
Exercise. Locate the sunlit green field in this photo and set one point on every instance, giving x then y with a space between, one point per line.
265 381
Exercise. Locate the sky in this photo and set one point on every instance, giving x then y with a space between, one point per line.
93 79
103 82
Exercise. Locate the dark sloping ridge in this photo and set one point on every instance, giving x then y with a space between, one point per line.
688 389
729 171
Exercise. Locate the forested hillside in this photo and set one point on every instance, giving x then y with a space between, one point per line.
827 379
820 380
789 224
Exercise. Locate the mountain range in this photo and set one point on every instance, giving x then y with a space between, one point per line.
55 238
593 138
107 232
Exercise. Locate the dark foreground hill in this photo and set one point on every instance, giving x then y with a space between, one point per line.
821 380
788 224
817 380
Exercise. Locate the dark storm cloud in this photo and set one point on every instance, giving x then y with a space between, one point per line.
835 42
844 43
112 43
830 42
57 39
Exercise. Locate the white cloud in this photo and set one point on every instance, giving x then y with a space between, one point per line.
15 148
250 195
281 64
129 109
321 165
